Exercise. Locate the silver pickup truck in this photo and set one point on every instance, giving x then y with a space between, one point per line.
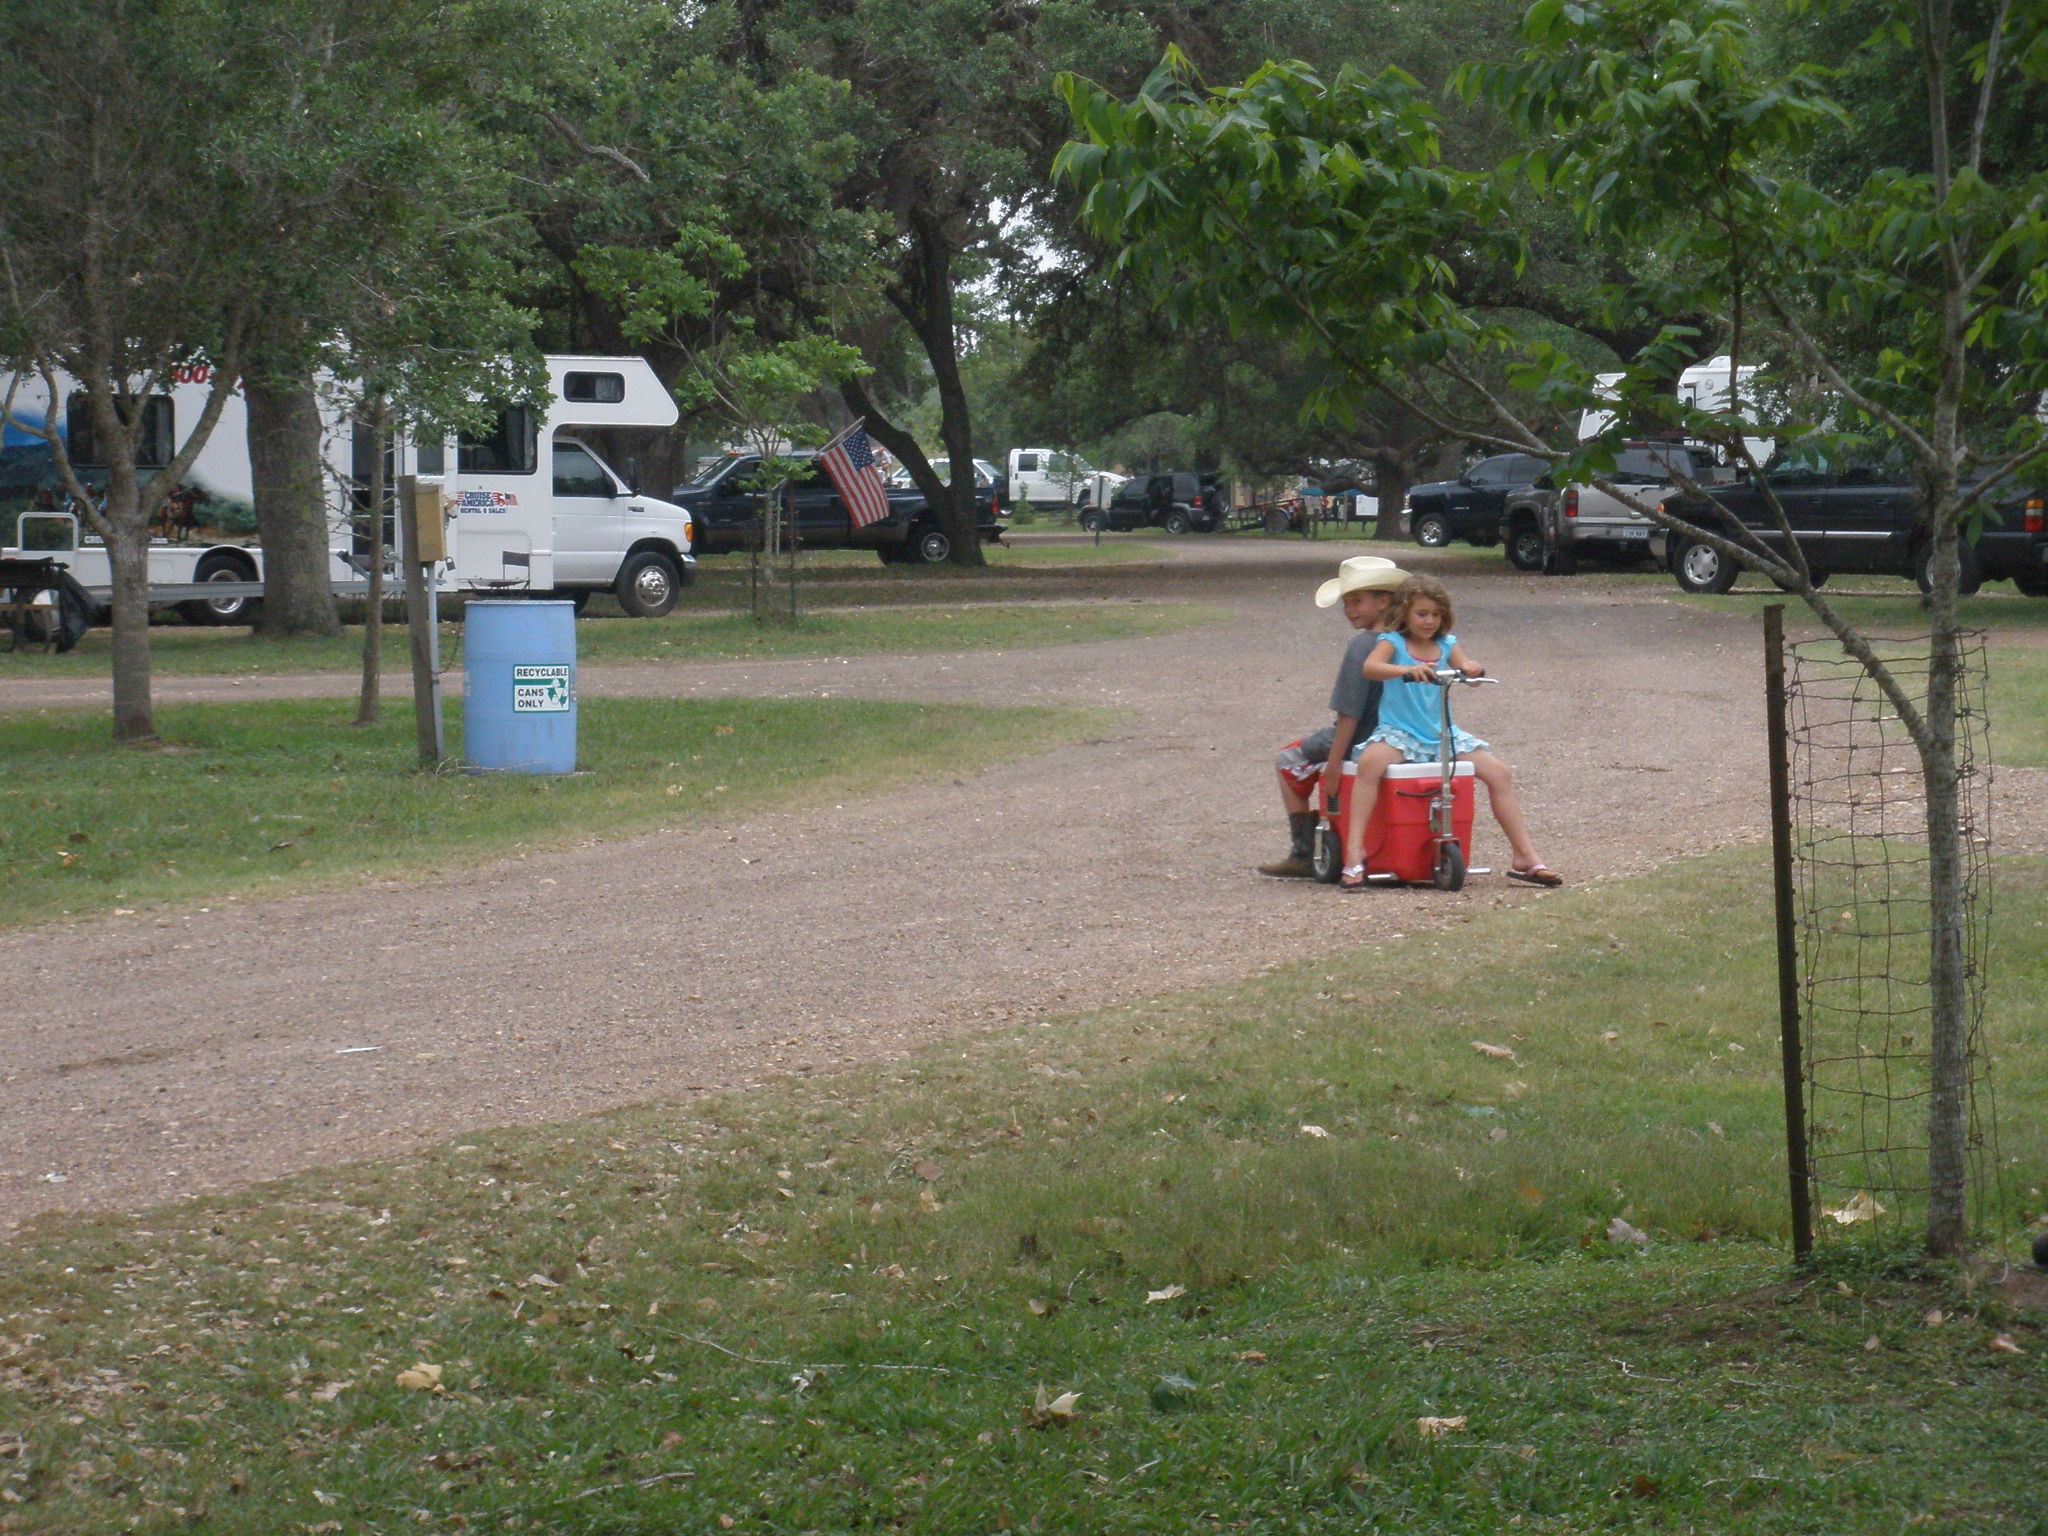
1549 529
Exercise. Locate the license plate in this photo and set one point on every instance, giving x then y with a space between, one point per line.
1635 533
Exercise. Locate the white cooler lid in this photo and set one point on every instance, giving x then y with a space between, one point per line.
1416 770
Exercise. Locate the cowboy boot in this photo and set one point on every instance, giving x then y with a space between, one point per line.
1300 861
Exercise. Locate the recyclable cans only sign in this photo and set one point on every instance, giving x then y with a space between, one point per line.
540 690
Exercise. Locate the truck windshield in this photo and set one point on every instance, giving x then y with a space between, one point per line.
713 470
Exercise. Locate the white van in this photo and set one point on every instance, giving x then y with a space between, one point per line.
531 506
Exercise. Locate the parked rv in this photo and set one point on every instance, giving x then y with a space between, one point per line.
532 507
1048 478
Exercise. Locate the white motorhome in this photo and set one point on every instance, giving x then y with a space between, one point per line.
531 506
1704 386
1046 477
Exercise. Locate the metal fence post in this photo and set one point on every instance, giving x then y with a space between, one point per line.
1788 943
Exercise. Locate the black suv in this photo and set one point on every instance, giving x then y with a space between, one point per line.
725 505
1178 501
1864 520
1470 506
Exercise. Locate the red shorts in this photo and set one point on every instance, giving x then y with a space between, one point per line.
1301 768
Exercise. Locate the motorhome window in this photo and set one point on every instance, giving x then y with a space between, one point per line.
156 444
594 388
577 472
432 458
509 446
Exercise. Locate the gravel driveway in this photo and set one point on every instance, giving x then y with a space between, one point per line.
189 1051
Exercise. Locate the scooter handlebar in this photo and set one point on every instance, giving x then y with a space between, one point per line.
1446 676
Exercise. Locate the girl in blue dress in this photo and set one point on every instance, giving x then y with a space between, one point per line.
1406 660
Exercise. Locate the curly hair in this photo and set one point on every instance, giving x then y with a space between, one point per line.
1420 586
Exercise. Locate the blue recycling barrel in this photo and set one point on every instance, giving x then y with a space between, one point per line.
519 686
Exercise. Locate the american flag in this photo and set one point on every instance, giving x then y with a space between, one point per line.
851 464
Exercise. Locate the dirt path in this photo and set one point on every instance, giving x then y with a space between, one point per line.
176 1053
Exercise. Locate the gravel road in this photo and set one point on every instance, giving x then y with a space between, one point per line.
178 1052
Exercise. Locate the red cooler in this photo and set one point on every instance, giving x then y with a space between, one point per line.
1398 840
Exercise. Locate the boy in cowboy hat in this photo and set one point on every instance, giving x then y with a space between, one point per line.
1364 585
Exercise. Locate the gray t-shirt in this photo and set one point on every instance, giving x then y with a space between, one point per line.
1355 695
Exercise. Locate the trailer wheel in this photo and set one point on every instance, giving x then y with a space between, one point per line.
1326 858
222 610
1450 866
649 585
1278 522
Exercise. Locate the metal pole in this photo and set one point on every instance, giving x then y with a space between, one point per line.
421 621
1789 1044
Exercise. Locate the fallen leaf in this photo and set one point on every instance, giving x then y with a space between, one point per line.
725 1522
1169 1294
1436 1429
1871 1345
1619 1231
1715 1127
1610 1035
1251 1357
543 1282
421 1378
928 1202
929 1171
329 1500
1062 1407
2004 1344
1316 1131
1935 1318
1037 1307
331 1391
1496 1052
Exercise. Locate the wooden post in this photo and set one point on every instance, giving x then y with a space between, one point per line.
1789 1044
420 616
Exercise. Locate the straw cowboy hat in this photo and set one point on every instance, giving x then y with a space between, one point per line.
1368 573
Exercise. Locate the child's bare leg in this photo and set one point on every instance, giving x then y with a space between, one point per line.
1373 764
1499 780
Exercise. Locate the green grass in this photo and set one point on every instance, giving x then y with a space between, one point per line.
838 1305
2019 707
257 798
691 634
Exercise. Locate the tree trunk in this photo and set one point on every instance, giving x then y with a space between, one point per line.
290 492
928 306
128 554
1391 480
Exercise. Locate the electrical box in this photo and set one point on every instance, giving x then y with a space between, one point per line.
425 504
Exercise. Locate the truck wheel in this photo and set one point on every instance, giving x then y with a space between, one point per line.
1175 522
1968 579
1090 519
1702 569
928 546
1559 559
2031 583
1449 874
649 585
1431 531
1326 858
222 610
1525 546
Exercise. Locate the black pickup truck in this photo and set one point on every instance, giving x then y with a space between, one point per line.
1178 501
724 503
1470 506
1859 520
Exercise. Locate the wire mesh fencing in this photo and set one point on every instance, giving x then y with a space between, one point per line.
1864 925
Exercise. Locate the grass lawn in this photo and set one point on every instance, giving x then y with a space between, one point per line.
690 634
257 798
1208 1263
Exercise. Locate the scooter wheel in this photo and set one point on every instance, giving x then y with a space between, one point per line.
1450 867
